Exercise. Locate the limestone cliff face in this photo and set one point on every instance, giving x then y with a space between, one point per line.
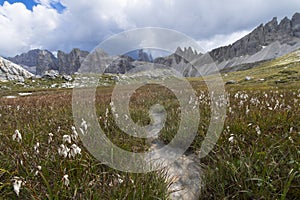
69 63
12 72
37 61
285 33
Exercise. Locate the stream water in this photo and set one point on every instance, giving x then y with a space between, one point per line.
185 173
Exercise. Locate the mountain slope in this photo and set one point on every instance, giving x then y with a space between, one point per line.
280 71
39 61
12 72
266 42
36 61
287 32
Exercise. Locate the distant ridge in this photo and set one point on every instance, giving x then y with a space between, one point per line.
266 42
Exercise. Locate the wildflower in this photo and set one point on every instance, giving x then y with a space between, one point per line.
257 129
39 168
66 180
291 139
84 125
50 138
81 131
17 136
106 113
63 150
17 183
67 138
74 133
247 110
120 180
126 117
36 147
231 138
74 150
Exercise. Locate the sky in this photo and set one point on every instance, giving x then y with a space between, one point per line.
66 24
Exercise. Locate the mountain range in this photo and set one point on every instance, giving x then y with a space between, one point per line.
266 42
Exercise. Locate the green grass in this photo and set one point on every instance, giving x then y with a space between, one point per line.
283 71
37 116
256 157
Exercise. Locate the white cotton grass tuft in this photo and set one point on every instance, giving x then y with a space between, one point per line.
63 150
39 168
66 180
231 138
17 183
74 135
36 148
84 125
74 150
257 129
67 138
17 136
50 138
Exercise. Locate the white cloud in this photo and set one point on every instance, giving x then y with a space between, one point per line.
22 29
221 40
84 23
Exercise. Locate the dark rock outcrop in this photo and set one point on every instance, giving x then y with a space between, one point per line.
39 61
120 65
143 56
181 55
36 60
69 63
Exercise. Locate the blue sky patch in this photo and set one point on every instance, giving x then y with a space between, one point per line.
30 3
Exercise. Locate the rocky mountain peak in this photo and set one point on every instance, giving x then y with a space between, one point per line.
285 33
295 22
36 60
69 63
143 56
39 61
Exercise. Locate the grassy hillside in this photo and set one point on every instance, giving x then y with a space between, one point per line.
281 71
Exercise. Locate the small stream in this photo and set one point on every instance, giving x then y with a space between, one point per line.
185 173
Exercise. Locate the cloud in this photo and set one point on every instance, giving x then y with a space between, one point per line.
221 40
22 29
84 24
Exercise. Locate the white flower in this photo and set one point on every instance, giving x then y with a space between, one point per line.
247 110
81 131
63 150
39 168
67 138
36 147
17 183
120 180
50 138
257 129
84 125
126 117
74 133
74 150
231 138
66 180
17 136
